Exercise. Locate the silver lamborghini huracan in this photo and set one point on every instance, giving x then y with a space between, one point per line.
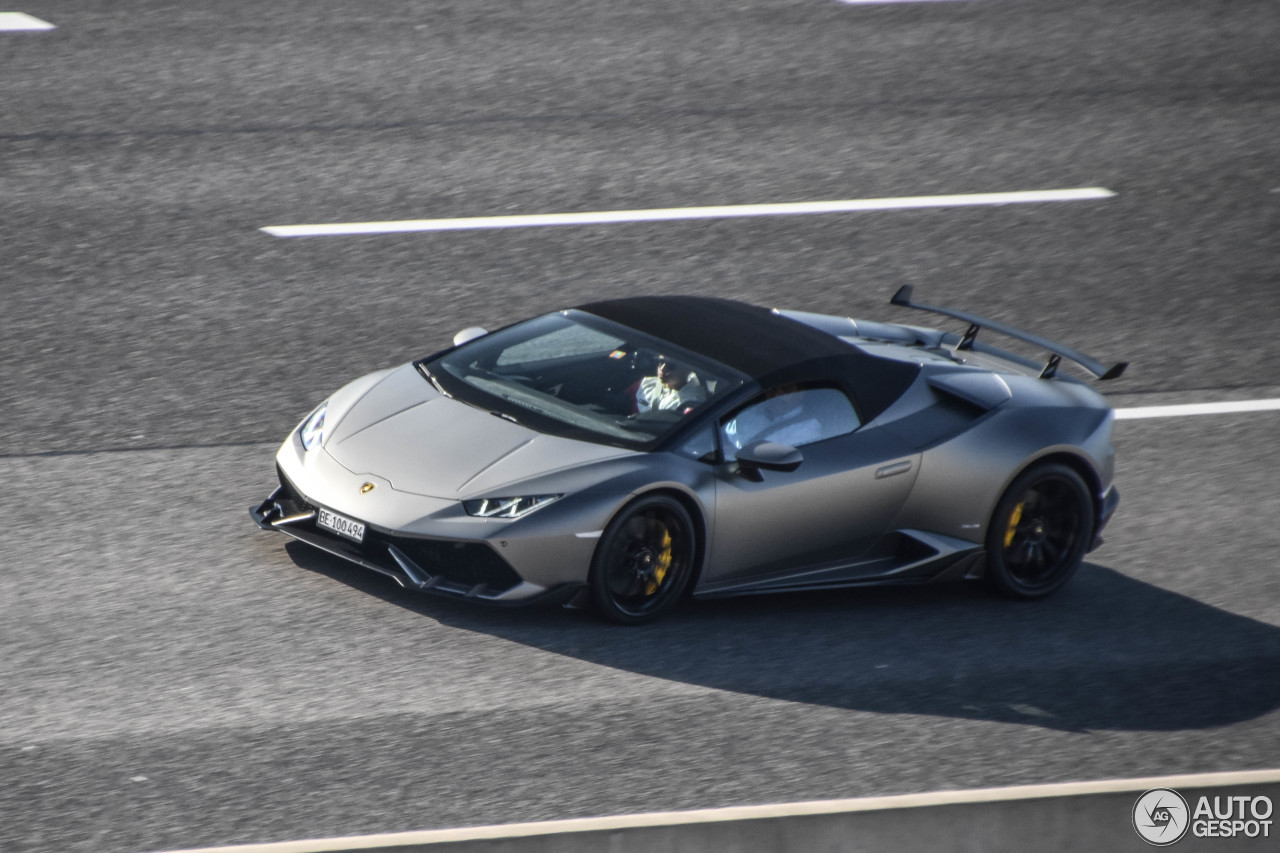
629 452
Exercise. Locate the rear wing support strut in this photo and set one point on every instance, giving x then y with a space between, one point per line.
976 324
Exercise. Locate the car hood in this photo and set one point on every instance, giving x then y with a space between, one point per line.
424 443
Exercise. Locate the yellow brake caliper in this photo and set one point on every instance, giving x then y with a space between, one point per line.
1013 524
662 565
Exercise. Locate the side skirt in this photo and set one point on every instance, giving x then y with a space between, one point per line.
903 557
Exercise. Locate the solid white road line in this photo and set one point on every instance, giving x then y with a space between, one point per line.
13 22
1198 409
612 217
734 813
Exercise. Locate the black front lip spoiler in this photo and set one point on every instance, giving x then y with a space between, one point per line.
405 572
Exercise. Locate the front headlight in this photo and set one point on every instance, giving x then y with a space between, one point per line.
312 431
507 507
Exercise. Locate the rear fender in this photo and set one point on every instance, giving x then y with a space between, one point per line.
961 480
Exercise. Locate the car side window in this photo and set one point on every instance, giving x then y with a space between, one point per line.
794 417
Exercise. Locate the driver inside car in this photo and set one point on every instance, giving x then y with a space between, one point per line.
675 388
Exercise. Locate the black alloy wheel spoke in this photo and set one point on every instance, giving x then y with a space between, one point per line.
1040 530
645 560
634 573
1046 532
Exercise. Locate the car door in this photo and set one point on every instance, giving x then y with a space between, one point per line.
816 520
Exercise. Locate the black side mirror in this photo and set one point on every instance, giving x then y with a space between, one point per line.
767 456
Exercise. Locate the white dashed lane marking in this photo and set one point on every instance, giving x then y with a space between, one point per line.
1185 410
614 217
16 22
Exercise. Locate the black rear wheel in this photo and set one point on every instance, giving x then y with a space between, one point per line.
1040 532
644 560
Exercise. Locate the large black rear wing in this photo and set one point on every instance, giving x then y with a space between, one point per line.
977 324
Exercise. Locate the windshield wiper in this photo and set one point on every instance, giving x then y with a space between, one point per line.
505 417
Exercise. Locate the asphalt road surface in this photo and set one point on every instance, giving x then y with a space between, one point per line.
173 677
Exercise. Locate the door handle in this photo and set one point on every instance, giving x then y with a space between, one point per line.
894 469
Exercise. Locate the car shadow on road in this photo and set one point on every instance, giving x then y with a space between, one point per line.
1106 653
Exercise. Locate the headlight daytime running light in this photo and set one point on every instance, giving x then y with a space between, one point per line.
312 430
507 507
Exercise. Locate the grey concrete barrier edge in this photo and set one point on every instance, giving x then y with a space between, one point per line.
1086 816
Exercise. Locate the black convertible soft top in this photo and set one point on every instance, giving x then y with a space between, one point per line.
766 346
748 338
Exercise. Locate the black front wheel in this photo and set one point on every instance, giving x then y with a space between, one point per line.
644 560
1040 532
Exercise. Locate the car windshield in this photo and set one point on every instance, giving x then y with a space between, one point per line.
577 375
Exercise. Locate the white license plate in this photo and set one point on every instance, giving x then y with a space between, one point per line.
340 524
